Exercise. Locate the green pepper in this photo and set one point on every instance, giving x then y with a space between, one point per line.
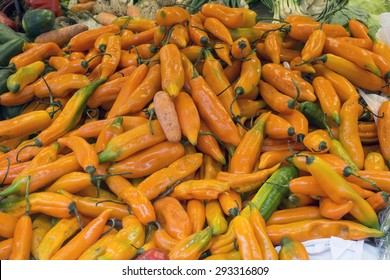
9 50
313 113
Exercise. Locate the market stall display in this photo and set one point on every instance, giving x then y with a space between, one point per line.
203 132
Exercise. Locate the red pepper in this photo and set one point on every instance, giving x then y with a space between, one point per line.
7 21
53 5
153 254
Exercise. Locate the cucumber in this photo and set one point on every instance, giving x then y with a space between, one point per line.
272 192
38 21
9 50
7 34
9 112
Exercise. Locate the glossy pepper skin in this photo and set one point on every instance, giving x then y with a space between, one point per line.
191 247
247 243
133 197
129 142
384 130
69 115
172 72
348 131
338 189
24 76
248 151
304 230
211 109
85 238
292 250
126 240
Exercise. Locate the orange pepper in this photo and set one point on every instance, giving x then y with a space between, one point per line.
243 183
173 217
21 241
257 222
168 16
49 203
344 88
212 111
84 152
218 29
359 56
314 45
249 76
5 248
199 189
134 80
159 181
231 202
378 201
196 31
191 247
299 122
273 45
61 85
95 206
278 128
135 23
163 240
108 132
7 226
97 249
348 131
86 39
144 92
215 77
282 79
179 36
231 18
140 205
25 124
317 141
215 217
332 210
247 243
172 72
36 53
358 29
129 142
384 131
340 191
375 161
328 98
188 115
85 238
145 51
292 250
297 214
302 30
248 151
126 240
148 161
111 60
303 230
276 100
196 212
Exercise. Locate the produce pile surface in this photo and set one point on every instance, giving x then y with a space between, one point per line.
192 135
